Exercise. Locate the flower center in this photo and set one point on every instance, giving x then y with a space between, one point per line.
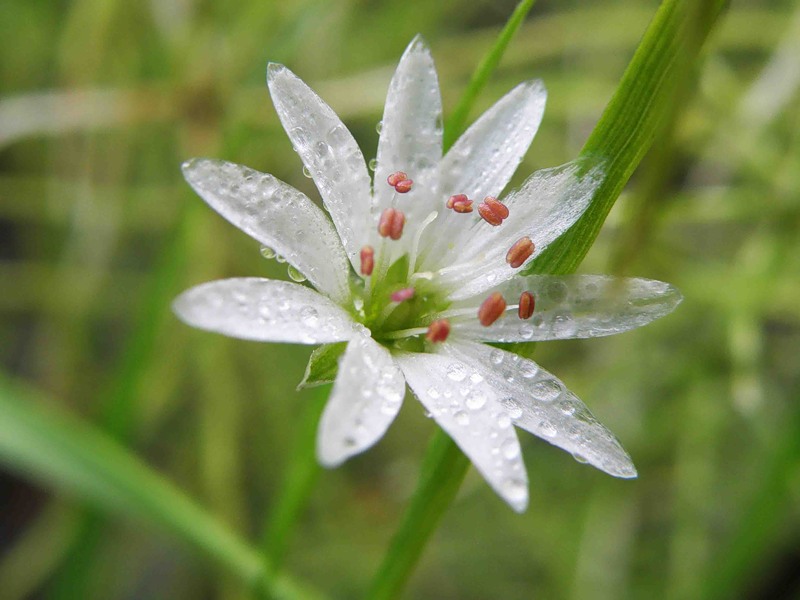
400 305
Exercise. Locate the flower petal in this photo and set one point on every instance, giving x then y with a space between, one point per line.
264 310
329 152
464 404
546 205
411 137
366 397
277 215
572 306
540 403
483 160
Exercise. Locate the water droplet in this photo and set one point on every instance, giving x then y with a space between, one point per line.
307 172
567 408
526 332
503 421
309 316
433 392
379 126
512 407
295 275
280 258
528 370
456 372
372 164
580 458
496 356
476 378
475 400
268 252
462 418
546 390
510 448
546 428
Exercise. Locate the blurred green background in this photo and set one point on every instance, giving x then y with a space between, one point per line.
103 99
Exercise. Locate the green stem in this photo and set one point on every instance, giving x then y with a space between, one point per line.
442 472
456 123
301 475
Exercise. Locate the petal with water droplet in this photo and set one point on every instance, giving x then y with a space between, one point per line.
540 403
330 153
366 397
263 310
278 216
411 137
570 306
546 205
471 413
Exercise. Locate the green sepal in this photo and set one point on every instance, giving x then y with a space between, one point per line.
322 365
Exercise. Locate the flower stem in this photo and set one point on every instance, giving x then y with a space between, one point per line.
443 470
301 475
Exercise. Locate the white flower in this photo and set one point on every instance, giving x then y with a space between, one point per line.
414 281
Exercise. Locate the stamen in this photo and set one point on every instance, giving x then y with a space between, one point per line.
460 203
391 223
403 295
438 331
367 260
404 186
493 211
520 252
526 305
396 178
400 182
492 309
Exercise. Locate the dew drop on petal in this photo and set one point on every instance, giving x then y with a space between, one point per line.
512 407
295 275
373 164
496 357
514 489
309 316
510 449
462 418
456 372
268 252
548 429
475 400
580 458
503 420
307 172
379 126
280 258
546 390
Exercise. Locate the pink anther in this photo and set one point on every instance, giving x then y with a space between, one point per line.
526 305
391 223
492 309
520 252
367 260
400 182
493 211
460 203
404 186
438 331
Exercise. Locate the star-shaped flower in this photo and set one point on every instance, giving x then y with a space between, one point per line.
417 270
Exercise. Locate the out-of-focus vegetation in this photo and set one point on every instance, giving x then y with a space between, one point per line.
102 100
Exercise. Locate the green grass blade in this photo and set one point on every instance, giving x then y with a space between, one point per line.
66 453
456 123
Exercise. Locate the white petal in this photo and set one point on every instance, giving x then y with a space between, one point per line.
263 310
546 205
483 160
572 306
540 403
329 152
366 397
277 215
464 404
411 138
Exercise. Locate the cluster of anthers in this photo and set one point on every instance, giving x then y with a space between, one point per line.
492 211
